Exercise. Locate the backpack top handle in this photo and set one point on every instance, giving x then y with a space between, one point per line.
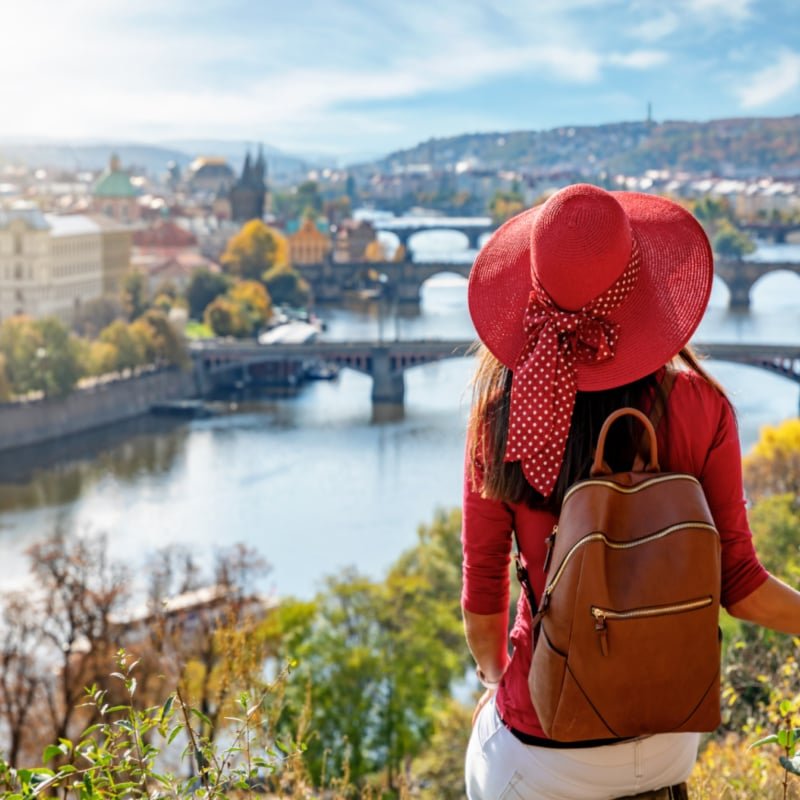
600 467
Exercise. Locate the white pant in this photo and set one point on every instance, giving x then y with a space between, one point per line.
500 767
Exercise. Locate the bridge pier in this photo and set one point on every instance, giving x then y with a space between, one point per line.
474 239
407 292
740 296
388 382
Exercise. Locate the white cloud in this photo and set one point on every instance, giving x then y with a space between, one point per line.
656 28
737 10
771 82
638 59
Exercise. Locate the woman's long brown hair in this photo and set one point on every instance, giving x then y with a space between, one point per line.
488 429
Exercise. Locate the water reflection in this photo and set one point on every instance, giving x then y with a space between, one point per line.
59 472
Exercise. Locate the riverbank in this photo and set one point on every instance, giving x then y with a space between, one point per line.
102 404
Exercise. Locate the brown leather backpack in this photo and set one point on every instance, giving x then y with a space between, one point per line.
628 639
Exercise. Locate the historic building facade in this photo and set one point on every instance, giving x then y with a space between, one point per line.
49 264
309 242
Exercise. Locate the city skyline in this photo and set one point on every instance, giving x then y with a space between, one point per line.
346 79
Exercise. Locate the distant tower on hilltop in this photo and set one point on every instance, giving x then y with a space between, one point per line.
249 193
649 113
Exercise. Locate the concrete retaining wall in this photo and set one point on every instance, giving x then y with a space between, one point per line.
103 404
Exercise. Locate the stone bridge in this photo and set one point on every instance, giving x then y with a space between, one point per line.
222 364
405 227
228 364
404 279
774 231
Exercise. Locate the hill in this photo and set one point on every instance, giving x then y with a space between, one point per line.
152 159
744 147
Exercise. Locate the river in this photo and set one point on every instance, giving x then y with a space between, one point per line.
310 480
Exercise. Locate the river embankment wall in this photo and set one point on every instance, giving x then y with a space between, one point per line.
103 403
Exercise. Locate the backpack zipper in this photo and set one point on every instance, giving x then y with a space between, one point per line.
676 476
599 536
602 615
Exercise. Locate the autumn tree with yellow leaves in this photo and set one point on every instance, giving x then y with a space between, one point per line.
773 466
256 249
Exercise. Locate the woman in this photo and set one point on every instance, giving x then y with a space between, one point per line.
585 305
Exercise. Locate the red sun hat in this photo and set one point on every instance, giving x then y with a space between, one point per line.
575 246
589 291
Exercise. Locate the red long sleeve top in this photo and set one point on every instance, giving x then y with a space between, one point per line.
703 441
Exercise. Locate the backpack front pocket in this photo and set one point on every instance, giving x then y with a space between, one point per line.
603 615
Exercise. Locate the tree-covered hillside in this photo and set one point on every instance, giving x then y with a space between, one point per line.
733 147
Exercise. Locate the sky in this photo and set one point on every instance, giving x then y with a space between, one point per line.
351 78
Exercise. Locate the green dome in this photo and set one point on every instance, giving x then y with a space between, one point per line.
114 182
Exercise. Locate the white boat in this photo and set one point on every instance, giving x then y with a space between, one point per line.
292 332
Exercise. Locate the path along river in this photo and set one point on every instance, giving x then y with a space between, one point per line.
309 480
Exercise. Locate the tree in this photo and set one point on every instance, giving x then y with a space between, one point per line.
59 367
130 348
504 205
134 295
100 358
40 356
775 522
21 673
79 589
95 315
204 286
379 659
439 771
773 465
308 196
711 210
253 299
169 346
22 347
254 250
5 383
287 287
374 252
216 644
730 242
227 318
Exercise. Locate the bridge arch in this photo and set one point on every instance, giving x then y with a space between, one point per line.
720 293
439 241
776 288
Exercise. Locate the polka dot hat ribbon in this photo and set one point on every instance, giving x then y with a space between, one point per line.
544 380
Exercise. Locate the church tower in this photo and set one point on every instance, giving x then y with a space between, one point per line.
248 193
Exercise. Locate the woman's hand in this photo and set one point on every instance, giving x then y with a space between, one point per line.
484 699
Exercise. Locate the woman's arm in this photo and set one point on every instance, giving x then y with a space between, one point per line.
488 642
773 605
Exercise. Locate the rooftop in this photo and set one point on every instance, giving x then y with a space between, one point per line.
114 182
71 225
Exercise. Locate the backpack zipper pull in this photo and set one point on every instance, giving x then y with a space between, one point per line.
601 628
551 541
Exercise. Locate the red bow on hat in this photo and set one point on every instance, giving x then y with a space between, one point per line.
544 381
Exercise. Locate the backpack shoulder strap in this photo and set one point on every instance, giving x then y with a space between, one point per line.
657 410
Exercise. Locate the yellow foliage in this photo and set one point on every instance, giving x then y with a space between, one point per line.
374 252
254 250
773 466
727 770
5 384
101 358
282 257
254 298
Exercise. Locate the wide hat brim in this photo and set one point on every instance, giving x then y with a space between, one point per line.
655 320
